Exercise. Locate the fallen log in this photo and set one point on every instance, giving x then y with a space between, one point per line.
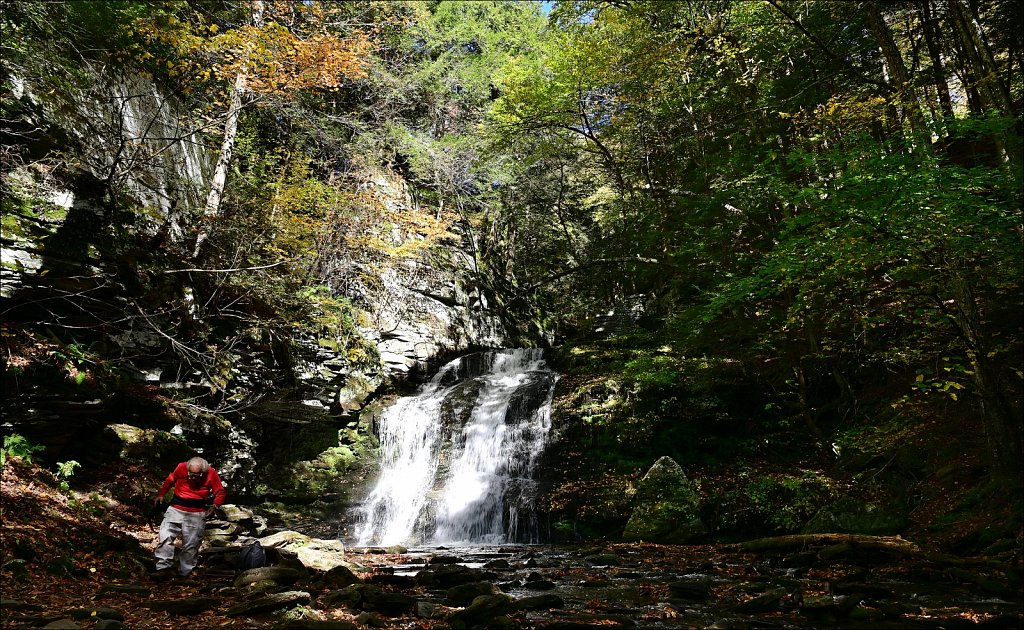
894 544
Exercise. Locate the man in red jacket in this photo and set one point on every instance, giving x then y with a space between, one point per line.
197 489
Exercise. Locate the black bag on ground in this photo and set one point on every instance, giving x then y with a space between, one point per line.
253 556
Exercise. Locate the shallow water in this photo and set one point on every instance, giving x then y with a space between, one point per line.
656 586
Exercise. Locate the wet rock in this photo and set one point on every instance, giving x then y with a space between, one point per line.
391 604
667 508
482 610
394 550
875 591
540 602
500 563
268 603
62 624
742 624
604 559
426 610
401 581
108 624
370 598
866 615
339 577
769 600
349 597
594 581
448 575
464 594
588 622
539 585
698 590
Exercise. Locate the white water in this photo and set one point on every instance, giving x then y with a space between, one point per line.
457 458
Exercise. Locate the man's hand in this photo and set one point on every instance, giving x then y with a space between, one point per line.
209 511
157 501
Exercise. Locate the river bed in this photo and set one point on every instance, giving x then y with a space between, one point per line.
660 586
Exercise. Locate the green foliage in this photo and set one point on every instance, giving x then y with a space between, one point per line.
65 470
810 230
16 445
884 436
652 371
784 502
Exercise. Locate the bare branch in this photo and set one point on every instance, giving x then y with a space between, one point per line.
232 270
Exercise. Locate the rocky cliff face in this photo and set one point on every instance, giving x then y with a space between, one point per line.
98 177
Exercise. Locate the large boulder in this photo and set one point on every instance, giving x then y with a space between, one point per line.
667 507
314 553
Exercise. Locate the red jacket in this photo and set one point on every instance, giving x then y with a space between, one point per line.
192 495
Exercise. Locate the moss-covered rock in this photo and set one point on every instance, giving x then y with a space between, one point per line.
151 445
667 507
850 515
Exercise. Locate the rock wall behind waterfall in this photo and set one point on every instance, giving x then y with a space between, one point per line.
425 307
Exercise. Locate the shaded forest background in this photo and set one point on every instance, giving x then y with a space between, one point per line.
809 210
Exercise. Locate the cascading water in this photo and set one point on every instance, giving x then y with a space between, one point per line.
457 459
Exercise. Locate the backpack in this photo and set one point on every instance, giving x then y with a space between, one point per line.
253 556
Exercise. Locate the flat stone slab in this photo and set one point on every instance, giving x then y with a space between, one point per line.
270 603
279 575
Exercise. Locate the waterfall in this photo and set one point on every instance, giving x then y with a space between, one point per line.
457 458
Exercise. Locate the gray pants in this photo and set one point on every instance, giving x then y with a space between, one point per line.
190 526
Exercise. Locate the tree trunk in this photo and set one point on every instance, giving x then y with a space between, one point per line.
931 33
980 56
220 173
898 75
1001 415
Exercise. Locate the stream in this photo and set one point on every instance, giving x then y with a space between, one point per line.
657 586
